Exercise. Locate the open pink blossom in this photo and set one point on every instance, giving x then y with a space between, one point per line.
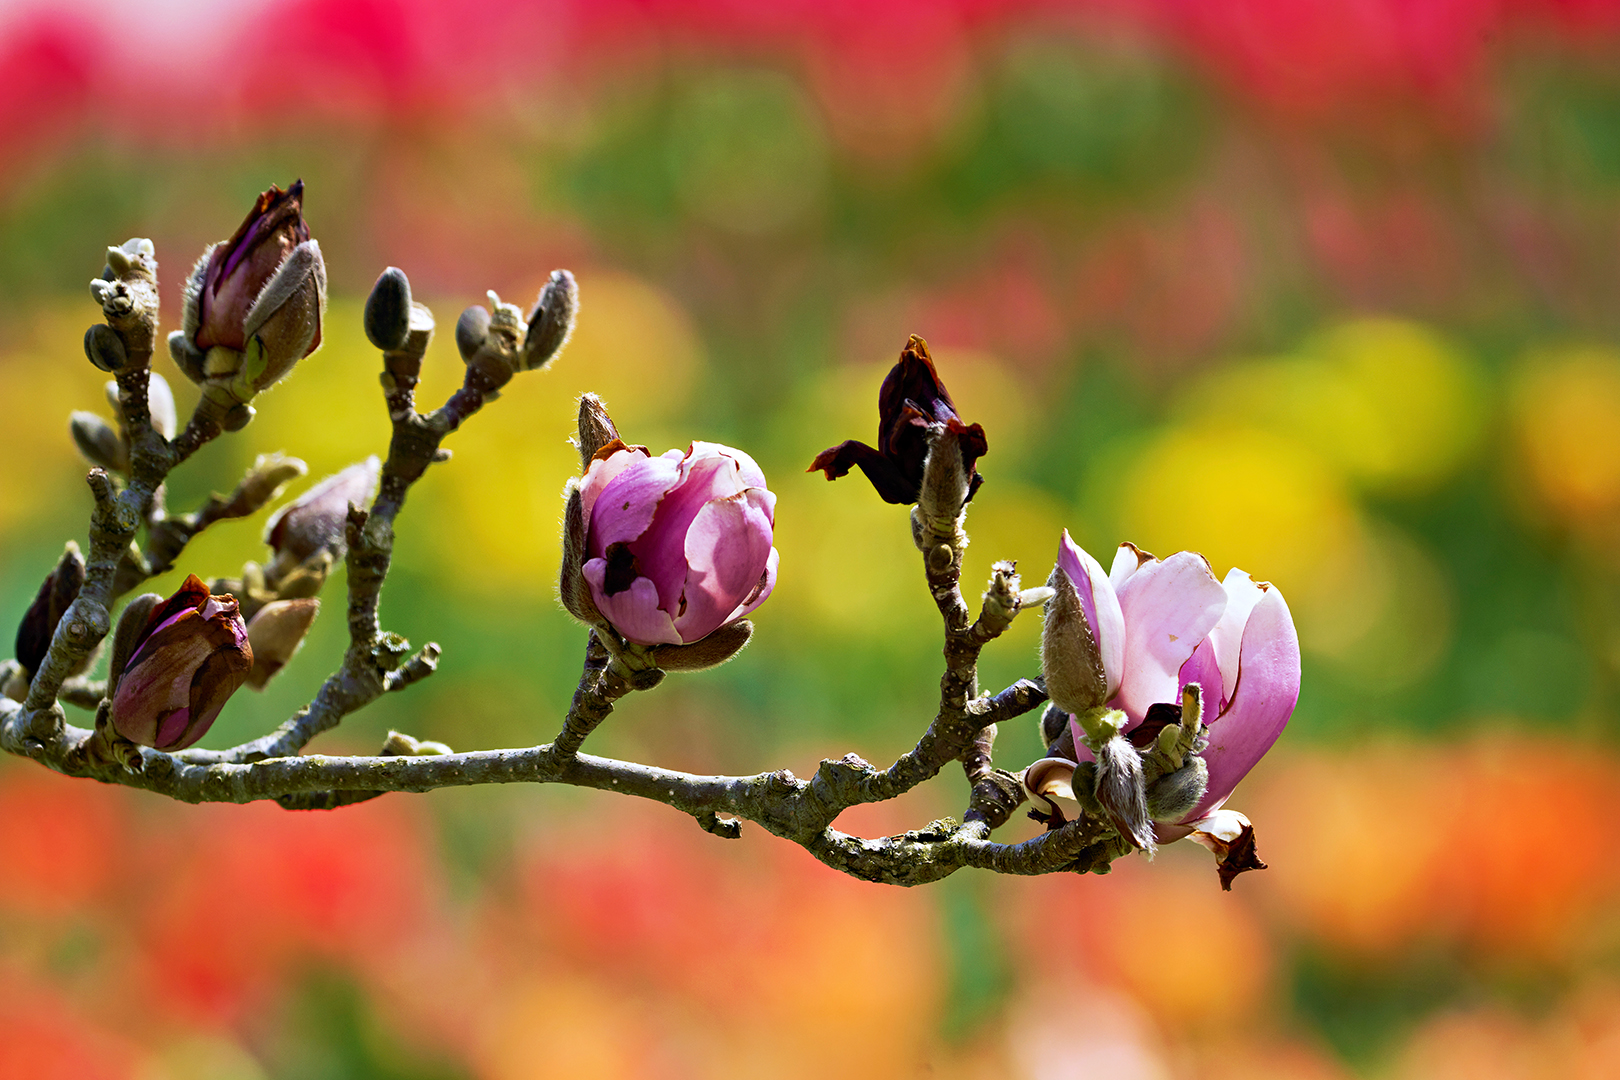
1180 626
1235 639
677 545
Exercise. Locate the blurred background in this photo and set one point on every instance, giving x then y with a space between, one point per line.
1322 288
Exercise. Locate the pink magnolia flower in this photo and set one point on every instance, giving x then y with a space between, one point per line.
1235 639
677 545
1161 625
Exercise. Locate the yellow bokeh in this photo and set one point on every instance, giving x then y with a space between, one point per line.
1565 406
1389 404
1242 497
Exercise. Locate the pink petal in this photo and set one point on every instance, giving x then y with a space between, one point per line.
601 472
661 550
634 612
1169 607
1201 668
626 504
1101 606
1267 690
1127 561
748 470
767 583
727 550
1241 596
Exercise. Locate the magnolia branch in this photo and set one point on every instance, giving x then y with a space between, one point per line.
928 462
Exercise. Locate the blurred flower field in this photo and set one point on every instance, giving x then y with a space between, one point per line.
1323 290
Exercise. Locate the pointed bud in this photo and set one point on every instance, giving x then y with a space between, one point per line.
708 652
276 633
190 657
1083 639
104 347
596 429
98 442
388 310
1230 837
316 520
1121 791
552 320
59 589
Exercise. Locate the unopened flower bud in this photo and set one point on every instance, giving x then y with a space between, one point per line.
188 659
276 633
59 589
129 632
945 482
388 310
1083 638
98 442
254 304
316 520
552 320
596 429
677 546
104 347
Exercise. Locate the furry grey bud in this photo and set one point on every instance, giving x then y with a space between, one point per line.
1122 791
1173 796
56 593
708 652
596 429
388 310
552 320
104 347
98 442
1071 661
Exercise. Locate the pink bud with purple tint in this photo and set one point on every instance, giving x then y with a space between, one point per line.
191 656
678 545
